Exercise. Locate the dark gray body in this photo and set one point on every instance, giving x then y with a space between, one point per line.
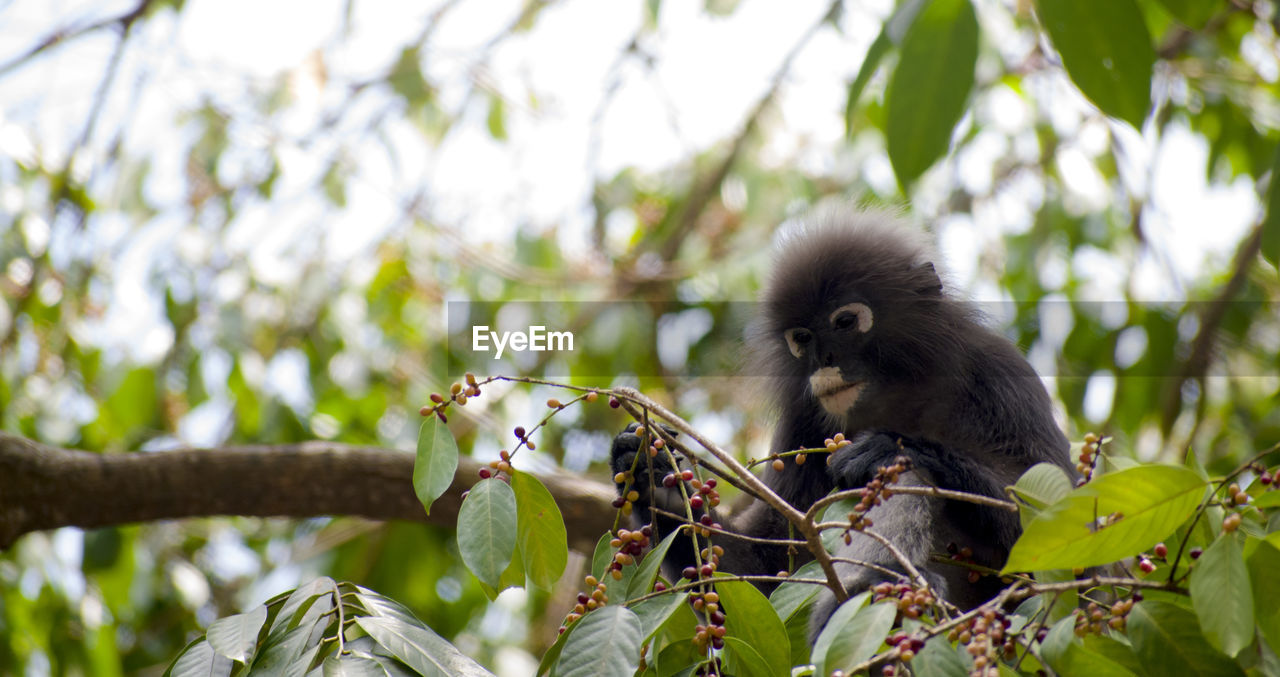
969 411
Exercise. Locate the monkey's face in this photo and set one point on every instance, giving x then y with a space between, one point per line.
829 348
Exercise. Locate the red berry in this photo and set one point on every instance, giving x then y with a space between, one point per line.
669 481
613 402
695 502
485 474
520 432
1161 550
1146 565
689 573
1195 553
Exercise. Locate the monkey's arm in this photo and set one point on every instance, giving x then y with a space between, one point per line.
853 466
757 522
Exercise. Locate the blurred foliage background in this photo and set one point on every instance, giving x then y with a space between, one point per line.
242 222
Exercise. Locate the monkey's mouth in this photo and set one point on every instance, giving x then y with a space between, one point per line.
841 397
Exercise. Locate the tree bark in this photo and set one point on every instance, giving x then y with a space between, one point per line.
44 487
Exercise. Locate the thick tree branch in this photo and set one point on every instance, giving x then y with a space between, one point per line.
43 487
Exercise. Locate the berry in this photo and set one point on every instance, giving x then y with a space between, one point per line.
485 473
592 396
614 403
778 464
1196 552
695 502
553 403
1146 566
520 432
689 573
669 481
1161 550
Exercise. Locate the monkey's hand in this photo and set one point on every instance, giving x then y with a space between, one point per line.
853 465
645 474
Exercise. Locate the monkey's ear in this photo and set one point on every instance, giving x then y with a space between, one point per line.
929 282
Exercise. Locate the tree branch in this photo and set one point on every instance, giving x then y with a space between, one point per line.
44 487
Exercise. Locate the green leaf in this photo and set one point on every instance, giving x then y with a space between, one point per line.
655 611
852 635
940 659
1222 596
487 530
1141 506
544 546
890 34
742 660
642 582
794 594
1106 49
436 462
1271 224
419 648
927 93
1192 13
236 636
351 666
1043 484
200 660
1263 564
604 642
1066 654
1167 640
497 120
749 617
406 78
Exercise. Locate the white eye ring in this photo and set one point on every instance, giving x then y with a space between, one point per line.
797 339
862 312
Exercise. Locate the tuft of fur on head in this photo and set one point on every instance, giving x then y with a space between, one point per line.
876 256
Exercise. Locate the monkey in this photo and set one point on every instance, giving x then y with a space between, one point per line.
857 335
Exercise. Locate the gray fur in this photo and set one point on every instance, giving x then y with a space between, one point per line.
933 383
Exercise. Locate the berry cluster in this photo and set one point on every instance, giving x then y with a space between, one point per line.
458 393
874 494
963 555
1160 551
1265 477
985 639
711 562
711 634
905 648
911 601
630 545
587 602
1088 457
1093 619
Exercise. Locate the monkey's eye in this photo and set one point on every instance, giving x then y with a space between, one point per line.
852 316
797 339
